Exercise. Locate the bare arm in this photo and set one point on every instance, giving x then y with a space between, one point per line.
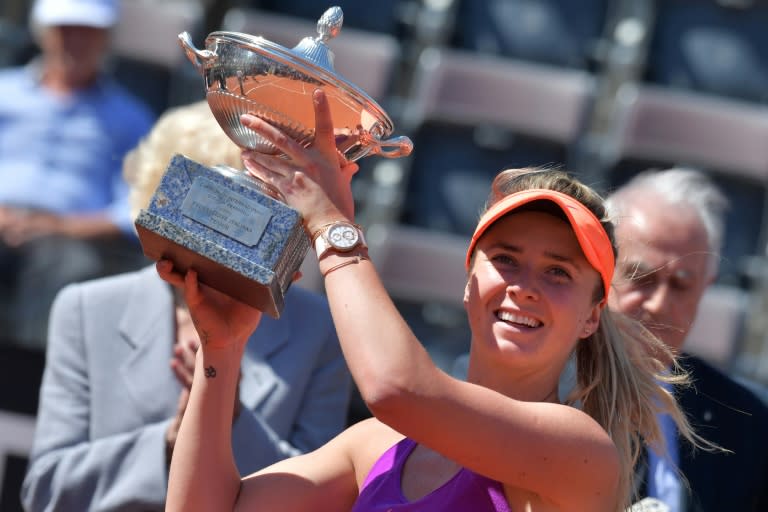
326 479
203 474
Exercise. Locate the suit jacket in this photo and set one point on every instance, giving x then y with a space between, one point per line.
108 393
728 414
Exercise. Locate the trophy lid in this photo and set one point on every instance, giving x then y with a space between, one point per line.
315 49
312 56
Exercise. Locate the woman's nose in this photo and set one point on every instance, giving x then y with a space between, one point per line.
523 285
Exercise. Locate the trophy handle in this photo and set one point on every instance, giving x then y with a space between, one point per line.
402 146
197 57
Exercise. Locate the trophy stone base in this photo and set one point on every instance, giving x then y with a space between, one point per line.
240 240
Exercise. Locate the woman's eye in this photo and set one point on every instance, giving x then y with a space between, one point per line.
560 272
503 259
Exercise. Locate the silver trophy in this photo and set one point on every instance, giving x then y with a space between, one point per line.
232 228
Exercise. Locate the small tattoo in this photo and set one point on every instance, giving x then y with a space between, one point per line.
210 372
204 337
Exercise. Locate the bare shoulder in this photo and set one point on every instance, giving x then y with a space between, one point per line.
331 475
366 441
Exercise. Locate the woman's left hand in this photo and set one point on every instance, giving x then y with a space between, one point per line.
316 180
220 320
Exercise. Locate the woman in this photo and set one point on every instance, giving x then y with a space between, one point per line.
540 266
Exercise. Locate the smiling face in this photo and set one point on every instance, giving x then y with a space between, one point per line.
531 293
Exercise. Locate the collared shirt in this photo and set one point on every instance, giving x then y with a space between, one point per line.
65 154
663 480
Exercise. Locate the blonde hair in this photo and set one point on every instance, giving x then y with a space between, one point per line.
190 130
618 381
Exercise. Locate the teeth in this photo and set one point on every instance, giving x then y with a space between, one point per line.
518 319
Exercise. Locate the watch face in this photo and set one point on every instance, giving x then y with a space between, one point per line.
342 237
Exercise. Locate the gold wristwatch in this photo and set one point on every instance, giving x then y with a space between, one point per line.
338 236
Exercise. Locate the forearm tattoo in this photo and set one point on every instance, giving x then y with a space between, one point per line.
210 372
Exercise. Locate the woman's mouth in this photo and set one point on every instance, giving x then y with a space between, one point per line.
518 319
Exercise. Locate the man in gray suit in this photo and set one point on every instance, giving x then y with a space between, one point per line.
119 361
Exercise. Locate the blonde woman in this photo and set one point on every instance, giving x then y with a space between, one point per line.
539 267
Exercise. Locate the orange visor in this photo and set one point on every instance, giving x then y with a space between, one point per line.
592 238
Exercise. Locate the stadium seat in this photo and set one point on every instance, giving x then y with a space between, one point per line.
715 47
147 57
557 32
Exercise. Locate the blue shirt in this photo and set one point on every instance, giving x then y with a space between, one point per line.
663 480
65 154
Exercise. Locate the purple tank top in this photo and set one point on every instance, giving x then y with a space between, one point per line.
464 492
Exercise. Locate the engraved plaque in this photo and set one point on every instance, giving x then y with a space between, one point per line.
227 212
239 240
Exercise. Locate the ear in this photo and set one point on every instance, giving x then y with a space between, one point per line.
467 291
593 321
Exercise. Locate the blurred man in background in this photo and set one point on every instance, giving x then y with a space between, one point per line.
64 129
669 228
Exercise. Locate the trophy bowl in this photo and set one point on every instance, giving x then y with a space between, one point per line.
249 74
